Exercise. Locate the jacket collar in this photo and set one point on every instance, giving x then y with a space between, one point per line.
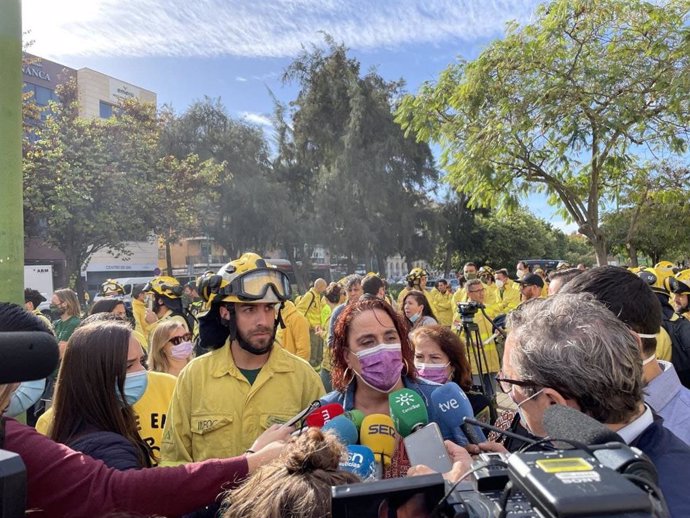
224 363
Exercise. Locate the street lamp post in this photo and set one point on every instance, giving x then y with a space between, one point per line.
11 204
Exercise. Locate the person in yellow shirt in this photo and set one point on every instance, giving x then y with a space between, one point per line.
492 299
508 291
442 302
416 280
144 318
294 337
226 398
167 301
679 288
531 286
483 357
310 306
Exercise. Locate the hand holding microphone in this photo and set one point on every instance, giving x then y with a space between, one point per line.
450 407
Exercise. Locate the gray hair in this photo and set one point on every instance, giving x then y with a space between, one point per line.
573 344
472 282
352 280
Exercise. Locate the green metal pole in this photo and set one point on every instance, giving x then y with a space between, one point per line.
11 205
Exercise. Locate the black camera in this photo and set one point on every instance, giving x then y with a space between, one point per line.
467 310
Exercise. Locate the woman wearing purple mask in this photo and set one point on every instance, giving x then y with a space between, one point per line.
372 357
171 348
440 356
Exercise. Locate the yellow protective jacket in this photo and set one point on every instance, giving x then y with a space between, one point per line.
295 337
140 323
486 331
310 306
664 347
216 413
509 296
442 305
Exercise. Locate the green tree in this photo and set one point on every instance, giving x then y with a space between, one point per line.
358 185
75 195
244 213
562 106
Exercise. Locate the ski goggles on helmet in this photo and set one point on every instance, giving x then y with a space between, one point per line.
254 285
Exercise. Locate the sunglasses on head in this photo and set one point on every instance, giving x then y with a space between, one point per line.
177 340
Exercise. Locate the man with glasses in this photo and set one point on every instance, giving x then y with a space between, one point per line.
226 398
482 355
571 350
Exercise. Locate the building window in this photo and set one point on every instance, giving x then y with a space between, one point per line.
106 110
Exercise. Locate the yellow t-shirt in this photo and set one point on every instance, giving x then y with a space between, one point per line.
151 410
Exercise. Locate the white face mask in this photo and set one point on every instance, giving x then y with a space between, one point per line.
499 283
522 412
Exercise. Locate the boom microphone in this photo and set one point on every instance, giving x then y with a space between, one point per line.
562 422
408 411
343 428
323 414
27 356
360 461
450 408
378 433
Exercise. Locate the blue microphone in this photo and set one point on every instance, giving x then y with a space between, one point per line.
343 428
360 461
450 407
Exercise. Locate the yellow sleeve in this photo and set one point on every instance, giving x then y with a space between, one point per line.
309 299
299 327
176 447
663 346
44 422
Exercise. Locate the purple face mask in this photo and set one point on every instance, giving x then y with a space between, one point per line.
433 371
381 366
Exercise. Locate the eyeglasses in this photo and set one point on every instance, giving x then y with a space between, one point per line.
177 340
506 385
476 291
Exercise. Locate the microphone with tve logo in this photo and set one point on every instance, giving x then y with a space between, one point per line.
450 407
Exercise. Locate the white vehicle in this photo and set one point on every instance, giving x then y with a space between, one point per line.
127 283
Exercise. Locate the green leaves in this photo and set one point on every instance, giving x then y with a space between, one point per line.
560 104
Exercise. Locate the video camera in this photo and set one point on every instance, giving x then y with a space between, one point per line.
607 479
540 484
24 356
467 310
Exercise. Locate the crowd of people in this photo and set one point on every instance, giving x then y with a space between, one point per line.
188 393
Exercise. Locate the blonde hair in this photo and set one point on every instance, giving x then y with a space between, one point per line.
159 338
297 484
69 298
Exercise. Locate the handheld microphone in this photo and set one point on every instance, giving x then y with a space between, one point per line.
378 433
408 411
356 416
27 356
343 428
450 407
323 414
360 461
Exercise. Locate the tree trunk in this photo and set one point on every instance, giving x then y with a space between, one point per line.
381 260
302 284
168 257
632 254
74 280
447 263
599 243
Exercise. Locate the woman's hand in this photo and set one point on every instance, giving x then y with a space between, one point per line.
265 455
277 432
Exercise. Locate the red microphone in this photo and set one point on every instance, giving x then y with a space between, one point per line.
323 414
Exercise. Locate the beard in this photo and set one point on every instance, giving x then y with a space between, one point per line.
256 341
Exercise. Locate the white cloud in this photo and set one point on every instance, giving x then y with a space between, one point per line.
256 118
241 79
279 28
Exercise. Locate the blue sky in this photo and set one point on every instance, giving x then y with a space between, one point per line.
237 49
